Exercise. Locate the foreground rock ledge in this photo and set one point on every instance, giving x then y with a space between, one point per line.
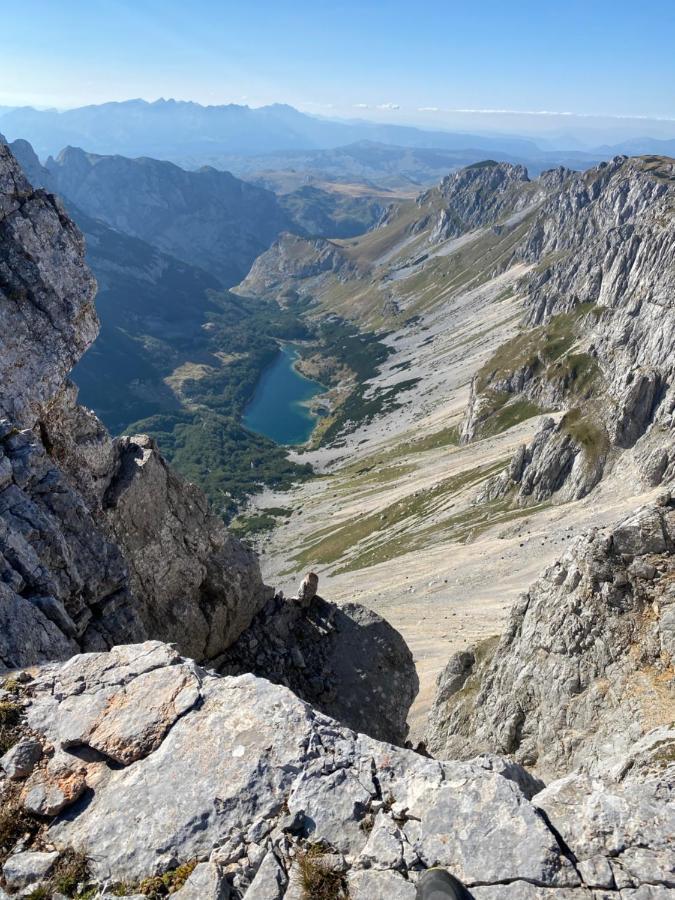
175 764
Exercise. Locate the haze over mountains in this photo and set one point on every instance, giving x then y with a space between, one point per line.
178 128
194 135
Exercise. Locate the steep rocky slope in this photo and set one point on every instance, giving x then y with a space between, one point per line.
207 218
77 508
101 542
526 394
601 302
584 668
177 357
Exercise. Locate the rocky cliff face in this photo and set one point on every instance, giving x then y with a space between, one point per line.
99 541
346 661
207 218
475 197
600 304
145 765
585 668
290 260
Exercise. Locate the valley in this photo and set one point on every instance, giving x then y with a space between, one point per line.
337 509
404 514
416 372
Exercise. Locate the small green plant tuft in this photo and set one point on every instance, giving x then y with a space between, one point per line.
11 685
70 870
40 893
162 885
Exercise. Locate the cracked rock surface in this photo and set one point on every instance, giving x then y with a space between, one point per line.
242 776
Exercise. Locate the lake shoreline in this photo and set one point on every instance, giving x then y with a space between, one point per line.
281 407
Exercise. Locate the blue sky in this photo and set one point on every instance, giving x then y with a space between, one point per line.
408 62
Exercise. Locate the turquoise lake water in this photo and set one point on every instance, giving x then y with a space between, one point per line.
276 409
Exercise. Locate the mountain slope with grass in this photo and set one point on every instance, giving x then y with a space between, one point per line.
525 392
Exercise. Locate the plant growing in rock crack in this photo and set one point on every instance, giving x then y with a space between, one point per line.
318 879
14 825
10 717
168 883
70 871
39 893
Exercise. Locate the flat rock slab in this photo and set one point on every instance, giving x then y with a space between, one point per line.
241 776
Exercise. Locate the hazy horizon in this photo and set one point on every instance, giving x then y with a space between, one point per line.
604 77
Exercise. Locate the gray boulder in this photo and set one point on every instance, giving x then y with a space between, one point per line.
22 869
20 760
346 661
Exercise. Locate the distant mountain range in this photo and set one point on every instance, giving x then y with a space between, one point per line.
192 134
171 129
384 165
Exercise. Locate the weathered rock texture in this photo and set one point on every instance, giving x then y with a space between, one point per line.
292 258
346 661
585 667
474 197
100 542
48 295
207 217
601 309
174 764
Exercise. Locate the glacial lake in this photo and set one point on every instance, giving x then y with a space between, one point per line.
277 407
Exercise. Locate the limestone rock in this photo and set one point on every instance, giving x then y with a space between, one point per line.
584 669
601 247
620 834
100 542
346 661
201 587
206 882
22 869
20 760
290 259
308 588
249 778
247 749
372 885
47 295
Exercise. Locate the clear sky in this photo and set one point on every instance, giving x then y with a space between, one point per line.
400 61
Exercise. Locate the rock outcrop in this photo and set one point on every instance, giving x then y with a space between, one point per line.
345 661
291 259
585 668
100 542
477 196
153 765
207 217
599 303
